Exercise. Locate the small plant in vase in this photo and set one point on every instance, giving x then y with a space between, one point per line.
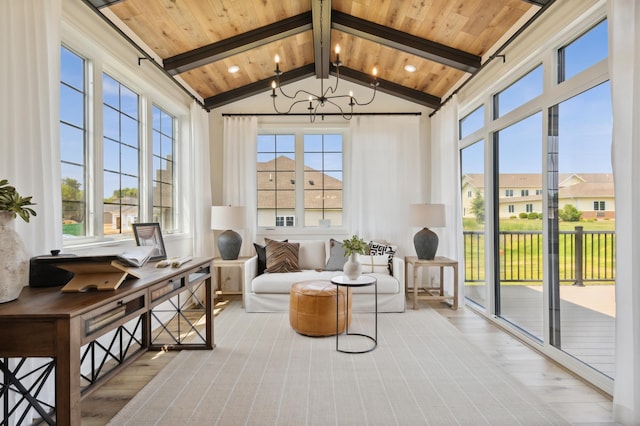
14 203
352 247
14 260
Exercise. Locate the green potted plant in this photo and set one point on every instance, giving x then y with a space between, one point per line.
353 246
11 201
14 260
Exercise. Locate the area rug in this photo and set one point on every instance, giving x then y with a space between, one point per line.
261 372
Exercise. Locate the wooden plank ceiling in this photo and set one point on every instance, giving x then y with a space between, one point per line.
199 40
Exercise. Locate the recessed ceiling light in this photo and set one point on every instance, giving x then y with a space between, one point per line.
233 69
410 68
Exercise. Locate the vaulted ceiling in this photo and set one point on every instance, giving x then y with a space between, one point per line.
447 41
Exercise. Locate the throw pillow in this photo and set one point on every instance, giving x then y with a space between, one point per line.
337 258
281 256
262 257
370 264
383 248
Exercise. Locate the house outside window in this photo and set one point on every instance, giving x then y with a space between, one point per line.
524 192
529 208
286 159
512 208
599 205
508 192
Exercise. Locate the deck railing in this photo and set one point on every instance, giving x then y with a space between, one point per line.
583 256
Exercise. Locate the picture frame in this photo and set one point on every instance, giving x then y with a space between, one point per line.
149 234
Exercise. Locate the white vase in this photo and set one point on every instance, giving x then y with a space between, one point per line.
14 260
352 268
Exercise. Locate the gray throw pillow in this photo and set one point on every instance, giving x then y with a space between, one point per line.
336 256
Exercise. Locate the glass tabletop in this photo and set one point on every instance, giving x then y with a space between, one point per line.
362 280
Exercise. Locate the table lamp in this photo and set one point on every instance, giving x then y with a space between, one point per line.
425 240
228 218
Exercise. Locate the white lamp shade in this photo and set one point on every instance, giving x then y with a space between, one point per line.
227 217
426 215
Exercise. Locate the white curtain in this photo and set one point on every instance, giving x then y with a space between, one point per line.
203 244
29 135
239 173
29 114
385 177
445 185
624 70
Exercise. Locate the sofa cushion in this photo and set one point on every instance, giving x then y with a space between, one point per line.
278 283
312 254
282 282
281 256
337 259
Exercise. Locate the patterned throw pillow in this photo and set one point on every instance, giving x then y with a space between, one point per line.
261 252
281 256
379 248
379 263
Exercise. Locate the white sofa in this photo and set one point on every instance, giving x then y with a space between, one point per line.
269 292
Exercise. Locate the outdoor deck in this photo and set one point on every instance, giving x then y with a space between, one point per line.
587 319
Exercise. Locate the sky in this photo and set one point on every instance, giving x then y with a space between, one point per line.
585 120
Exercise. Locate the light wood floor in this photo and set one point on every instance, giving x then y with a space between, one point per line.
578 402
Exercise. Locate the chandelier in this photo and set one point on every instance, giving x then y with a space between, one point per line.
344 103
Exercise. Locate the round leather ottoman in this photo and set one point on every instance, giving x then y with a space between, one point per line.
312 308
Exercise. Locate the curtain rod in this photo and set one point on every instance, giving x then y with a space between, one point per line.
302 114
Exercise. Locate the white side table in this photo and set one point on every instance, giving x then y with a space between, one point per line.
218 264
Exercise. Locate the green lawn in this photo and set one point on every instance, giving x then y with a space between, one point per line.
521 254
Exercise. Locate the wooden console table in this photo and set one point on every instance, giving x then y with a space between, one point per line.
431 293
71 330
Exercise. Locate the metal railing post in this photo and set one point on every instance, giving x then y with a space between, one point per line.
578 257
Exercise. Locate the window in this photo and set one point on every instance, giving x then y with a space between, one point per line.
508 192
524 192
103 170
285 221
469 194
529 208
519 93
276 175
73 137
319 167
322 179
121 147
587 50
163 148
512 208
472 122
598 205
538 191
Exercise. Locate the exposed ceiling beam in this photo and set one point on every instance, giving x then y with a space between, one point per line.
391 88
321 11
540 3
258 87
405 42
241 43
103 3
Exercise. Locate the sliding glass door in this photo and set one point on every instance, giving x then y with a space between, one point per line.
518 218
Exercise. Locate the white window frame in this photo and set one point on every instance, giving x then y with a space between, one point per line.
105 52
299 130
